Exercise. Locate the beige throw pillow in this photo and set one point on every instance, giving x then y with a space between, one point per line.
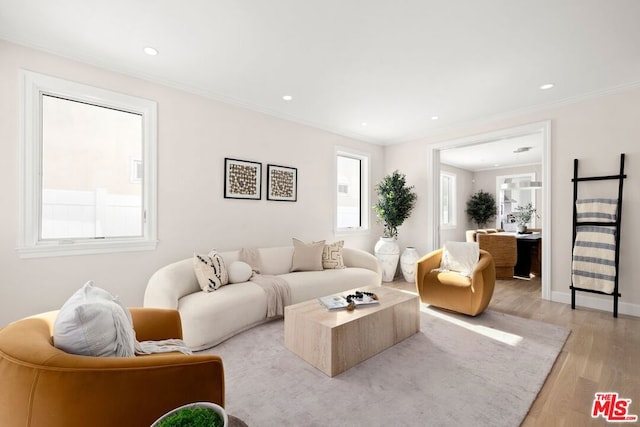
332 256
307 257
210 271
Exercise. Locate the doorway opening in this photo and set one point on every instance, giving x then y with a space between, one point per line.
543 195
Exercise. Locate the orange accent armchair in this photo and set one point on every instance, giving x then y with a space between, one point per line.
453 291
503 249
42 386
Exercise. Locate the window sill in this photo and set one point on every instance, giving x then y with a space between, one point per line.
61 248
351 231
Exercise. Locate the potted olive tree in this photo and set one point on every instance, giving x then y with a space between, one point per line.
481 207
396 200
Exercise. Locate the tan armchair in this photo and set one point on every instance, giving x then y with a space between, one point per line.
453 291
42 386
503 249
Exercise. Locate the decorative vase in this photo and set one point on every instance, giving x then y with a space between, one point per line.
522 228
388 253
408 263
212 406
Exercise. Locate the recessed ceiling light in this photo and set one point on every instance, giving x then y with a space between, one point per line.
150 51
434 117
546 86
363 124
287 97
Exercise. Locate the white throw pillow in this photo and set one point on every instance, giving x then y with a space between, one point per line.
210 270
460 257
239 272
93 322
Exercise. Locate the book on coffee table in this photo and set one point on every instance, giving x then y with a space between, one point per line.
333 302
337 302
365 300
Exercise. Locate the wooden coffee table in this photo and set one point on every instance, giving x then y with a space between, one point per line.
334 341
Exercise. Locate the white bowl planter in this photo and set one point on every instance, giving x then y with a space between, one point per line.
215 408
408 263
388 253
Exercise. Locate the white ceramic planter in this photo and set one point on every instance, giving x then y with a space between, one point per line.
408 263
388 253
215 408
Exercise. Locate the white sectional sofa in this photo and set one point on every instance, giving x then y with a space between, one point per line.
209 318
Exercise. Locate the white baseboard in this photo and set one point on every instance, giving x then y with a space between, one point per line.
604 303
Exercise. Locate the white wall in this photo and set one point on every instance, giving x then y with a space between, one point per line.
595 131
195 134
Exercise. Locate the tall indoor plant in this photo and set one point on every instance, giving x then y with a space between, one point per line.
481 207
396 200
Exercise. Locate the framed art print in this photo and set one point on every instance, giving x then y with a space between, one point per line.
242 179
282 183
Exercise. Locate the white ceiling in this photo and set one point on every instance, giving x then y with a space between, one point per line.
392 64
496 154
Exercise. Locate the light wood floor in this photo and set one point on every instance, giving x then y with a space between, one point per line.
602 354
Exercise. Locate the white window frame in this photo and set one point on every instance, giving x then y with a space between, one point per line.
453 201
34 86
500 179
365 179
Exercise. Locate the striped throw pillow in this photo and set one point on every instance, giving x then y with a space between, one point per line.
211 271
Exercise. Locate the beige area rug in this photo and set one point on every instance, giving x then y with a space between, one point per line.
457 371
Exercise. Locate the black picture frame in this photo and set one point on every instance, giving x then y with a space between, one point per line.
282 183
242 179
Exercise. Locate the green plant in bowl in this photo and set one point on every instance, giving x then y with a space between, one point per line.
192 417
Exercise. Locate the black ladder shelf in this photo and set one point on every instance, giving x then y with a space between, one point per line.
615 224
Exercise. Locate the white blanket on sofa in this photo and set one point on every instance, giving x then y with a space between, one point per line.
277 290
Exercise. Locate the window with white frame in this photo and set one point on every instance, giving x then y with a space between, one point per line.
352 178
89 169
447 200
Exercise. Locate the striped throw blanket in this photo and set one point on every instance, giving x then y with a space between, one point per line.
594 259
597 210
